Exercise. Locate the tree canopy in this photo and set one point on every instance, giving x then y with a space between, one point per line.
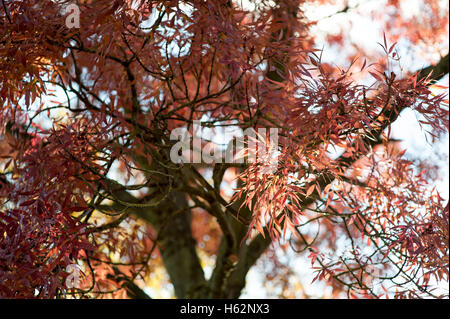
93 204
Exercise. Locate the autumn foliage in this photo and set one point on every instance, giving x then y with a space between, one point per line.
86 177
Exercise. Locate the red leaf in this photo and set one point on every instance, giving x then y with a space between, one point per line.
28 202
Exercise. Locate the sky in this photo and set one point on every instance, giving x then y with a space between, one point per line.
406 128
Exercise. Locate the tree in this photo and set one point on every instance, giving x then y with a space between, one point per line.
93 204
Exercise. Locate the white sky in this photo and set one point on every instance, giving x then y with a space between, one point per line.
406 128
